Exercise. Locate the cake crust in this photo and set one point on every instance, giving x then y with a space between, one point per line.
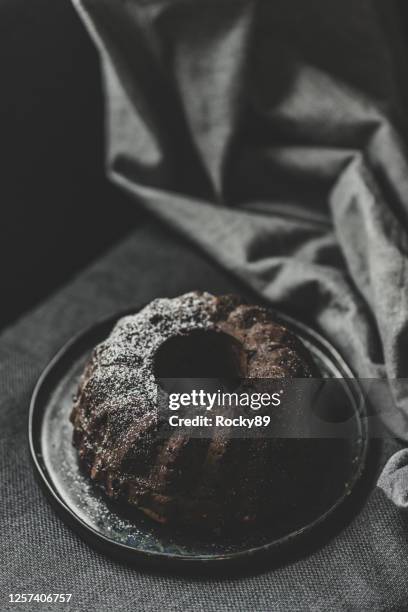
209 482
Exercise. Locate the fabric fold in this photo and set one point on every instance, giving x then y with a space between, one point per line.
270 135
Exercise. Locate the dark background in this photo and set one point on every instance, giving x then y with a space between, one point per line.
58 210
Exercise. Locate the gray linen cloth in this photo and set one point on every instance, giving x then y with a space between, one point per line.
363 567
272 135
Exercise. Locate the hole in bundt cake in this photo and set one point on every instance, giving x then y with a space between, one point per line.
207 355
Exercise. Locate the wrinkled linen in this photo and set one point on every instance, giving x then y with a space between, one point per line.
272 135
363 566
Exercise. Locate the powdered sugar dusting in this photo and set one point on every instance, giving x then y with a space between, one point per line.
125 360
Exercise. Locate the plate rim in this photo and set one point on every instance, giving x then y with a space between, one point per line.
131 554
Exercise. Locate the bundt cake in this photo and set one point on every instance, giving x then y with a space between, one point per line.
211 481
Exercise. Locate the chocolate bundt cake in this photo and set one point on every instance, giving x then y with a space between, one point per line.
209 481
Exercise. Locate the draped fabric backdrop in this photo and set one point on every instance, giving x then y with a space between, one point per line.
272 134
